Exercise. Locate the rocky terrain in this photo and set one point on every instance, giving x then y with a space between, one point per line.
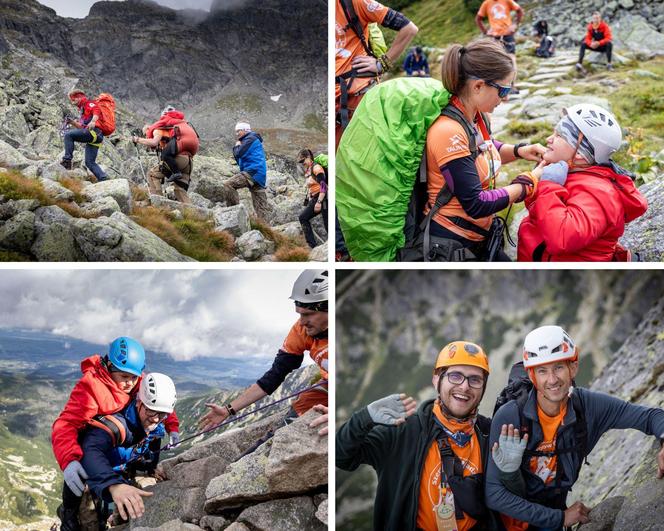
218 81
392 324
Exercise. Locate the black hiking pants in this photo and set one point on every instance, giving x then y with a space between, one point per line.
607 48
307 215
69 514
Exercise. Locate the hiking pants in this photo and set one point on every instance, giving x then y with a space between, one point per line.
508 43
258 195
307 215
168 156
606 48
92 140
70 506
156 177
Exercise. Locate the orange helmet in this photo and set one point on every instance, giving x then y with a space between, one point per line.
462 353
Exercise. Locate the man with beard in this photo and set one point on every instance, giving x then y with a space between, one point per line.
430 462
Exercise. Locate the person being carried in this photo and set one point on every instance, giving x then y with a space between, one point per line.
106 387
177 143
116 446
356 67
309 333
416 63
250 156
597 39
430 462
501 25
583 200
315 201
86 130
563 424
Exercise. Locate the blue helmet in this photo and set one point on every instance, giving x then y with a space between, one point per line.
127 355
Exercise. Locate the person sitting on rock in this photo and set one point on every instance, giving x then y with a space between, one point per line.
546 46
501 26
431 461
562 423
309 333
416 63
598 39
583 200
84 130
116 446
250 156
315 203
106 387
178 143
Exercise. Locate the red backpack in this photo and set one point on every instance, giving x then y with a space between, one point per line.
106 121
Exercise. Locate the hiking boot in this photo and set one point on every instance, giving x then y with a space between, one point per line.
66 164
580 69
174 177
68 519
609 66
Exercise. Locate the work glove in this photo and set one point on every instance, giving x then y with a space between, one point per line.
387 410
509 452
74 476
174 438
555 173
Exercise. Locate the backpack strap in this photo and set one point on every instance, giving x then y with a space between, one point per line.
354 24
451 111
110 425
451 467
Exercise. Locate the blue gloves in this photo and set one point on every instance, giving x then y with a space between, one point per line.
555 173
74 476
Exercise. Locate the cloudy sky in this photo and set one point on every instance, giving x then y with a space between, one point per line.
81 8
186 314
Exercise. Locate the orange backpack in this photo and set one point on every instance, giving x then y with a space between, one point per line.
106 122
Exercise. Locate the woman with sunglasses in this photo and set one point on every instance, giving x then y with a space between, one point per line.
314 202
480 77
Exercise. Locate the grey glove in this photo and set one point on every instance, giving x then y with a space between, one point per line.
387 410
509 453
556 173
174 438
74 476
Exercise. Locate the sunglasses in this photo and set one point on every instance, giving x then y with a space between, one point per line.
503 91
159 415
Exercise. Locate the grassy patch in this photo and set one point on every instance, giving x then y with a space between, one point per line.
11 256
533 131
75 186
14 186
138 193
287 248
240 102
440 25
313 121
191 235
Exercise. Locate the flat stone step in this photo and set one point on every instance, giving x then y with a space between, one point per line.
546 77
555 70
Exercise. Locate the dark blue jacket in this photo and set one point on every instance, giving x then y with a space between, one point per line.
251 157
411 64
602 413
100 455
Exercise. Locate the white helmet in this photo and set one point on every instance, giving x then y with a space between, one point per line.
547 344
599 126
310 286
167 109
157 392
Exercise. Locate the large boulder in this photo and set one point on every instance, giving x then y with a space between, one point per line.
319 253
55 240
282 515
118 238
644 234
549 109
18 233
212 187
14 206
56 190
634 33
118 189
162 202
233 219
103 206
253 245
11 157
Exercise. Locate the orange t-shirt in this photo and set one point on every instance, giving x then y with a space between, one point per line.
314 186
431 494
348 45
297 342
446 141
543 466
499 13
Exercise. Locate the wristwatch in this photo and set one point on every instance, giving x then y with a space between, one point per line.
230 409
516 149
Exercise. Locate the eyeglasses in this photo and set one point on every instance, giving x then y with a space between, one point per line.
301 161
503 91
159 415
457 378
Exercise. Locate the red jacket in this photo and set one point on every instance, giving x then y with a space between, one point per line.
602 29
89 109
187 138
581 221
94 394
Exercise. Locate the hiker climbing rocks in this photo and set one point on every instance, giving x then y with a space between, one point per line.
431 460
598 39
416 63
106 387
250 156
463 159
357 68
316 200
501 25
116 447
583 199
177 143
91 128
309 333
563 424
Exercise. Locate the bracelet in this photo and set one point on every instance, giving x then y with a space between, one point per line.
516 149
230 409
385 62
